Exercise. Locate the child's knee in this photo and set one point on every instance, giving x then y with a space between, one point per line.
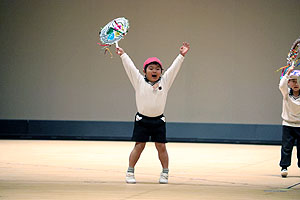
140 146
287 148
160 147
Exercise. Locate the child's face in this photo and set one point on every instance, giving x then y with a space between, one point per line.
153 72
293 84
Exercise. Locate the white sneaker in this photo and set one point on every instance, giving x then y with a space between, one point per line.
284 173
130 178
163 178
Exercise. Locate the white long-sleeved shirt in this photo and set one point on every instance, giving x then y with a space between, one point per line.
290 105
149 101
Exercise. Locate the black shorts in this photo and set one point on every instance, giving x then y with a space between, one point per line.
149 129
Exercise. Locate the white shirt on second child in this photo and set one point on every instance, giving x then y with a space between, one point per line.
290 105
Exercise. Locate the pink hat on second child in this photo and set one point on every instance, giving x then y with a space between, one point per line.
152 60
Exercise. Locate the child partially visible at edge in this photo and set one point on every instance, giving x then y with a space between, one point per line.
289 88
151 94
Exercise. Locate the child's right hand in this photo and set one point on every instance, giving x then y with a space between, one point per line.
119 51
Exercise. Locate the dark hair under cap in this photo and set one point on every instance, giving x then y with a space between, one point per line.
145 68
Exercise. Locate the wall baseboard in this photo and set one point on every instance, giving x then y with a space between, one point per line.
122 131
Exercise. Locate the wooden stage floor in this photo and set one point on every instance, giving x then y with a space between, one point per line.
84 170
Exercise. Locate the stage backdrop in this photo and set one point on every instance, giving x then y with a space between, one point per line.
52 69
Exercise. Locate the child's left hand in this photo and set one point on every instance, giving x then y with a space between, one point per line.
184 48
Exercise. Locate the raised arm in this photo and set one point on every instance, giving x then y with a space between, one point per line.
283 84
132 72
170 74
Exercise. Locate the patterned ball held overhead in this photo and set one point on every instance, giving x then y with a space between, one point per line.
114 31
292 58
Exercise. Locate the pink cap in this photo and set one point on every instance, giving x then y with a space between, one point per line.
151 60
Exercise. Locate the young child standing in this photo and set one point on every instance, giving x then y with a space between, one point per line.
289 88
151 94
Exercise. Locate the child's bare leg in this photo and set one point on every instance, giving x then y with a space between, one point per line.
136 153
162 154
